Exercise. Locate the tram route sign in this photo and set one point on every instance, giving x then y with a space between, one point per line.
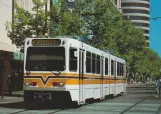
46 42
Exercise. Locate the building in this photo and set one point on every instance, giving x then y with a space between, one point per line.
138 12
70 4
25 4
5 42
6 46
10 57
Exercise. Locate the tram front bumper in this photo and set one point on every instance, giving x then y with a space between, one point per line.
33 88
46 94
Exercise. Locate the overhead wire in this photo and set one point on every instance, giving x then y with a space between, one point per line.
153 16
5 4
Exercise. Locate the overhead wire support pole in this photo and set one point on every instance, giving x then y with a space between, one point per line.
2 91
51 4
46 30
13 8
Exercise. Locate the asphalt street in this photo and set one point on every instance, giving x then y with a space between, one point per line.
139 99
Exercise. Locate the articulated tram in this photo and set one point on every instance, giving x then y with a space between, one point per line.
65 69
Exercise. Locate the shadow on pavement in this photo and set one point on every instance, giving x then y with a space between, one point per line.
37 106
139 92
144 88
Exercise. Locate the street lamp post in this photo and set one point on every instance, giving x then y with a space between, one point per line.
46 34
13 8
2 89
4 64
47 25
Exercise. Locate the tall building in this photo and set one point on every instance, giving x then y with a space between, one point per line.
138 12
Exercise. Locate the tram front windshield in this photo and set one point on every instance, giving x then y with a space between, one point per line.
45 59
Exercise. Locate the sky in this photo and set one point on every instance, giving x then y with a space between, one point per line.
155 26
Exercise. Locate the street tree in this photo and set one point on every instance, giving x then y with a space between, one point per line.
27 24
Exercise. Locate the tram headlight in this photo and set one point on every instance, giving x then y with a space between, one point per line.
30 84
56 84
62 83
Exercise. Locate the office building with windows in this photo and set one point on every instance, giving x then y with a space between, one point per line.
138 12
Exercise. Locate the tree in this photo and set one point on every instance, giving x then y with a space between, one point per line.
112 32
101 19
27 24
65 22
35 24
149 65
18 30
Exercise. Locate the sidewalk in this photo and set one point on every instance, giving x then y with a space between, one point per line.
140 84
17 96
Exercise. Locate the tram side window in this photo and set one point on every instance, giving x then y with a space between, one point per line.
93 63
98 65
122 71
72 60
106 66
118 69
88 62
112 67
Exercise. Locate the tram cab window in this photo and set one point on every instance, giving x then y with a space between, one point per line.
98 64
72 59
106 66
93 63
88 62
45 59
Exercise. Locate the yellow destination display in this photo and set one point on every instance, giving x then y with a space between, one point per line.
46 42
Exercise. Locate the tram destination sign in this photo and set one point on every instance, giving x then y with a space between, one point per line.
46 42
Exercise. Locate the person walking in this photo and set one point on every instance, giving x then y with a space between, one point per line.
158 86
9 84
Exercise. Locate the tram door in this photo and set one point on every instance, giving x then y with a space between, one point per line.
101 79
115 84
81 73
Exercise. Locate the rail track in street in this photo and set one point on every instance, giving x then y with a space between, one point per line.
138 100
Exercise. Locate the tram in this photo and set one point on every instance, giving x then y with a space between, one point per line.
66 69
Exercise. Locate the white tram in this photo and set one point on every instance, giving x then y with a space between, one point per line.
65 69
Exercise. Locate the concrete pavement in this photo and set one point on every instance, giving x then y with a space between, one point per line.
17 96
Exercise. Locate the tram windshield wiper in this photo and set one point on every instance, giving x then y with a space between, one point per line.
28 72
57 73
